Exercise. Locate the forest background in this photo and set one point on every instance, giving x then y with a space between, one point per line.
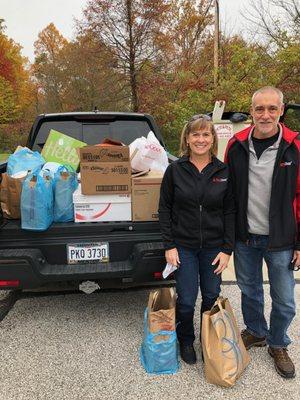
149 56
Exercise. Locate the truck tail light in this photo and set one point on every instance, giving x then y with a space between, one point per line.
9 283
157 275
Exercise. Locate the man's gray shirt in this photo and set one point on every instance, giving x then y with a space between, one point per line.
259 186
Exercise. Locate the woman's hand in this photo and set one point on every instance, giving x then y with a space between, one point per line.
172 257
222 260
296 258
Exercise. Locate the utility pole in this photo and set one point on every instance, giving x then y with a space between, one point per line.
216 44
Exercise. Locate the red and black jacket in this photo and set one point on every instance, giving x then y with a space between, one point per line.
284 213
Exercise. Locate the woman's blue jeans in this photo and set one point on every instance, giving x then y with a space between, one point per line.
195 270
248 260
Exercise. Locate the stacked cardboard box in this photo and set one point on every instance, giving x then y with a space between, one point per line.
104 193
105 170
145 196
106 207
108 192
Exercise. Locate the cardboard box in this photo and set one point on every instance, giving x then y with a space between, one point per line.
105 170
61 148
101 208
145 196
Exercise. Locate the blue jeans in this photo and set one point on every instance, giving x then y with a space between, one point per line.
248 260
195 269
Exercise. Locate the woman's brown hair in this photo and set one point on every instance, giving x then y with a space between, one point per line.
197 122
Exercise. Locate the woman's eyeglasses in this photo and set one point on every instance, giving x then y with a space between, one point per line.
200 116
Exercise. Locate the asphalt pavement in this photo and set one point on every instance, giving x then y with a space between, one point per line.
79 346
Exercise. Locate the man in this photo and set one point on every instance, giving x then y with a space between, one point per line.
264 163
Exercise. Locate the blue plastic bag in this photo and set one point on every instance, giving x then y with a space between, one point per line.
37 202
65 183
159 351
24 160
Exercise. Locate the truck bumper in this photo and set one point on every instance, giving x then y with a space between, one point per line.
30 268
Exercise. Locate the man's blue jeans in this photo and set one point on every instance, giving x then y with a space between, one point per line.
195 269
248 260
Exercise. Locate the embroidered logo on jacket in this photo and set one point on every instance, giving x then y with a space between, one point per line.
285 164
219 180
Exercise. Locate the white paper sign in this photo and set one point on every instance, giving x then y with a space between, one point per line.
224 131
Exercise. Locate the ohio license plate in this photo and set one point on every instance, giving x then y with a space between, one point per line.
88 252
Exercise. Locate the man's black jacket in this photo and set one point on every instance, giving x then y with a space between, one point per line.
284 213
196 212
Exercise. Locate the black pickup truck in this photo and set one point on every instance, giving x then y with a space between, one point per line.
30 260
35 259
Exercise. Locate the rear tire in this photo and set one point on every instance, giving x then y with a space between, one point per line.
7 301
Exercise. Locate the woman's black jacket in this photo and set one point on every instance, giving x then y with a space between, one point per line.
194 210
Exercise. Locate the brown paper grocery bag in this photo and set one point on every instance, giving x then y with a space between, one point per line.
225 356
10 196
161 310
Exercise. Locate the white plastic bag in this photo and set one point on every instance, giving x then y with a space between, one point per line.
147 153
50 167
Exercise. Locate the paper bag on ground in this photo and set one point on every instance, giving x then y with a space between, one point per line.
161 306
10 195
159 350
225 356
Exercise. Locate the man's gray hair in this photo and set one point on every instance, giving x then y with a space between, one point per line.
268 89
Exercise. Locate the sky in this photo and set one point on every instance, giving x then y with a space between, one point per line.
24 19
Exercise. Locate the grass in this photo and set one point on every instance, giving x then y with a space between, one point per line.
3 156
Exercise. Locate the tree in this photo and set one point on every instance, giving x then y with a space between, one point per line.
15 85
276 20
192 24
16 92
179 66
49 68
130 28
91 79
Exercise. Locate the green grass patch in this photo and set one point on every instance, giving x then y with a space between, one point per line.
4 156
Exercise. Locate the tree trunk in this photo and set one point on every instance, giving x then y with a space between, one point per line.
132 69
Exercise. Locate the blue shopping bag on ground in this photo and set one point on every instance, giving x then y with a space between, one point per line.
159 351
24 160
37 202
65 183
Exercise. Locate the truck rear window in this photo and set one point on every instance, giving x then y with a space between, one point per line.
94 132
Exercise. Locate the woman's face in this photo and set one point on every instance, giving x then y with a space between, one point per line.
200 141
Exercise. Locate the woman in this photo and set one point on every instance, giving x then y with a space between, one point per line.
196 215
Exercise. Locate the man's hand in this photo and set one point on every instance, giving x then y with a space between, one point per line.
222 260
296 258
172 257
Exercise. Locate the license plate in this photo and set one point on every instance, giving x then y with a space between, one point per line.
88 252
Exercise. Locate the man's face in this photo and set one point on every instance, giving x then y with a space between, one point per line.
266 111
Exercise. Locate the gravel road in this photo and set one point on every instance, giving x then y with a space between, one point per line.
79 346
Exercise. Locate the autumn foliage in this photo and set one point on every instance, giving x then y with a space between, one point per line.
147 56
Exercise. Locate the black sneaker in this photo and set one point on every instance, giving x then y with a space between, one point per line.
187 353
